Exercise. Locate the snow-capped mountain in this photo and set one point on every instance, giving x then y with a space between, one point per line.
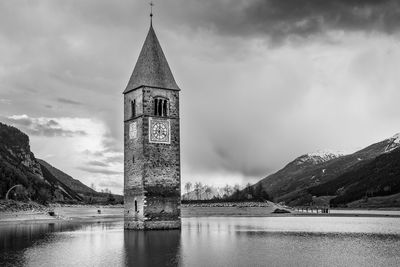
393 143
318 157
291 182
372 184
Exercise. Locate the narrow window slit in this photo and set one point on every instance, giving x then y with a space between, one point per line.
155 106
133 108
159 108
165 108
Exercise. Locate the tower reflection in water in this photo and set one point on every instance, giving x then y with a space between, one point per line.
152 248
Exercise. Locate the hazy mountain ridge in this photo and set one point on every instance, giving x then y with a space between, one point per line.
41 181
66 192
84 192
290 184
18 165
72 183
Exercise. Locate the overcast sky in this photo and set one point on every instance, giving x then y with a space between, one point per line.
263 81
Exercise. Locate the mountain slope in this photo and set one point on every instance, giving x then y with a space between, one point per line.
77 188
66 192
290 183
378 177
64 178
40 181
18 165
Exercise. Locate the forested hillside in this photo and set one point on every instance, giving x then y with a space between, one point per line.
316 175
18 166
378 177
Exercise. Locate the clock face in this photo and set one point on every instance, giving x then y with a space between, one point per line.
159 131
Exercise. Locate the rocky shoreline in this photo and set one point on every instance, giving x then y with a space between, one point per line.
18 206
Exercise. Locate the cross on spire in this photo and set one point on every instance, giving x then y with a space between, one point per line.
151 12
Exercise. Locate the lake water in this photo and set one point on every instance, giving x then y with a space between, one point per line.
213 241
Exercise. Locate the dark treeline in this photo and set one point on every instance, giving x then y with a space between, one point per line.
208 194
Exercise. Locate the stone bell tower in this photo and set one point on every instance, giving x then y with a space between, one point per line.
152 172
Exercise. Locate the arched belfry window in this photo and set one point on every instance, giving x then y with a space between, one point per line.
161 107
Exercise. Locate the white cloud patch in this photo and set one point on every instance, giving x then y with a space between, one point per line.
5 101
82 147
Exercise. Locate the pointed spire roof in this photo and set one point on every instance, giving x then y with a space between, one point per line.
152 68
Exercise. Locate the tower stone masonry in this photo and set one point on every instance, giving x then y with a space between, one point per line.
152 173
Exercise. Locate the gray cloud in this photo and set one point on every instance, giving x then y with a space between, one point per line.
93 153
110 183
103 156
279 19
306 17
69 101
116 159
45 127
97 163
99 170
112 144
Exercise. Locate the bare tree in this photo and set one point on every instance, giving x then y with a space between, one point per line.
208 191
197 189
236 188
188 187
228 190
